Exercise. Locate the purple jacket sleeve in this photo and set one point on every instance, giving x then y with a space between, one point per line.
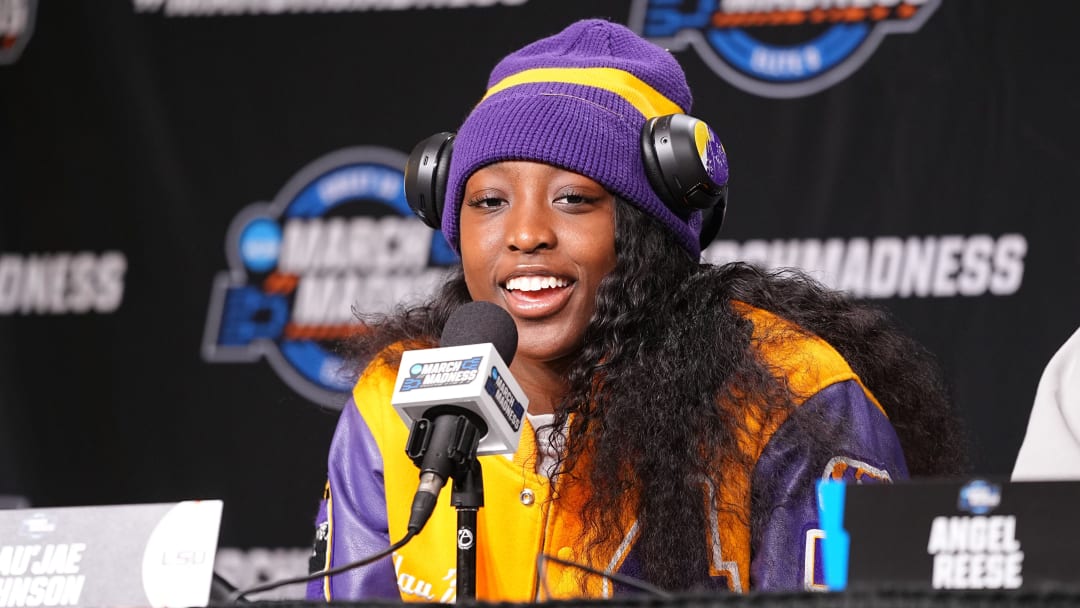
356 512
836 433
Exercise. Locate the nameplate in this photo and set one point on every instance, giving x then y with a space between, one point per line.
975 534
121 555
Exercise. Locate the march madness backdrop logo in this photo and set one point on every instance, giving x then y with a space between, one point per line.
779 48
338 238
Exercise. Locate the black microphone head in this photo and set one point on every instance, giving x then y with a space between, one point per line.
479 323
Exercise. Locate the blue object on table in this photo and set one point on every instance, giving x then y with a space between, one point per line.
835 545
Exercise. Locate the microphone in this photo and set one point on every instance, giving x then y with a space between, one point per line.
459 400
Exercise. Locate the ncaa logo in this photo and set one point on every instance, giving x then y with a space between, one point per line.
337 240
36 526
979 497
779 48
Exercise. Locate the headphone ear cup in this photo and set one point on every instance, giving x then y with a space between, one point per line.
426 174
689 167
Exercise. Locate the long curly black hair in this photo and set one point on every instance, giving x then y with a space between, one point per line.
664 347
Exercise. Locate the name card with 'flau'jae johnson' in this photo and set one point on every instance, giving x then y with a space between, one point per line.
130 555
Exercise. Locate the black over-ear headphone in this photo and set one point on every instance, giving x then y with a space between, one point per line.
669 151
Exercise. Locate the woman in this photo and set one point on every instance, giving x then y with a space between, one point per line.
680 413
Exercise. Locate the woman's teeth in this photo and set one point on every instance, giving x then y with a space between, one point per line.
534 283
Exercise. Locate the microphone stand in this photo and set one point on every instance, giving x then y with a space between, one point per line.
467 497
444 443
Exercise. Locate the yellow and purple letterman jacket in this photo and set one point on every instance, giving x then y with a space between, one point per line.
372 482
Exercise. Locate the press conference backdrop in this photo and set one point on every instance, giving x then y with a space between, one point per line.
196 193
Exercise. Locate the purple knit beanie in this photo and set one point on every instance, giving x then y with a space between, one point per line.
578 100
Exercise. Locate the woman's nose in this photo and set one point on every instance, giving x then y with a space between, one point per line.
529 226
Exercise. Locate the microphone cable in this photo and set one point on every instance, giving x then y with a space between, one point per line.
541 565
236 597
633 583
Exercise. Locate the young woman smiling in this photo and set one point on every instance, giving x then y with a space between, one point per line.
680 413
538 240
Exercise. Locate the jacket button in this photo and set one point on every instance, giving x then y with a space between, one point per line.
527 497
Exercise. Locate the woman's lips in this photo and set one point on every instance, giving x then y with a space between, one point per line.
533 296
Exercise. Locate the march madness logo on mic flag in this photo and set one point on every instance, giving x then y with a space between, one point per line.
779 48
339 237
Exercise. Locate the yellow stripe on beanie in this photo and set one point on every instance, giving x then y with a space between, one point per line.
635 91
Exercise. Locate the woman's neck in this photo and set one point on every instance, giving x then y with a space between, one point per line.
543 381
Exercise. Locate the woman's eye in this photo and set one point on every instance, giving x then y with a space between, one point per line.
485 203
572 199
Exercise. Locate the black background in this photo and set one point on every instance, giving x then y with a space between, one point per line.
145 134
